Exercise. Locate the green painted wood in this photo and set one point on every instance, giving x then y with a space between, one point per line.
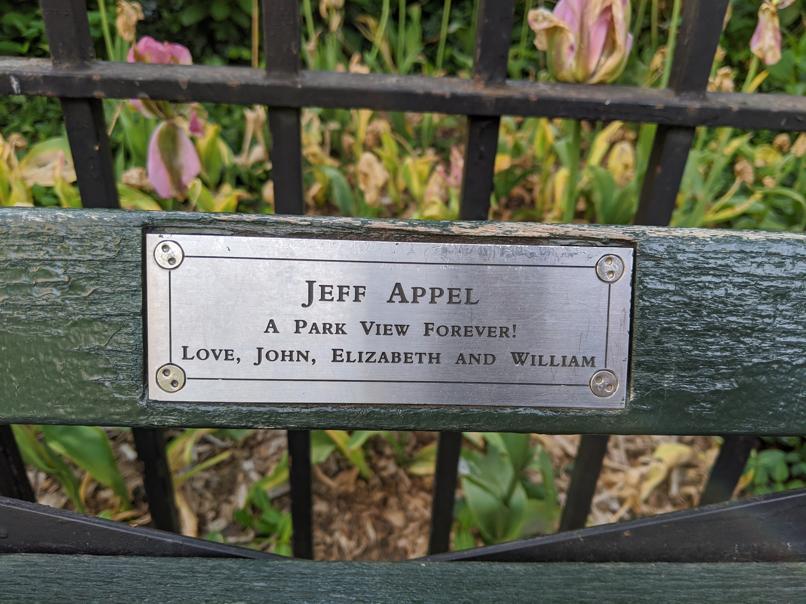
718 346
49 578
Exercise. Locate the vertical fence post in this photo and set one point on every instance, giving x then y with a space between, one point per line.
493 37
700 29
157 479
281 34
68 33
13 478
697 41
71 45
727 469
587 467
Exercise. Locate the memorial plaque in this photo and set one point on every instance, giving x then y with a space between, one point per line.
276 320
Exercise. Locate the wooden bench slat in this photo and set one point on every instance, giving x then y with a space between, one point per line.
719 327
51 577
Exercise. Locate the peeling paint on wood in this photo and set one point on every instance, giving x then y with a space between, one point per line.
719 326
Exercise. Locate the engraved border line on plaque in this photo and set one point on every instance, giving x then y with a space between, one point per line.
589 267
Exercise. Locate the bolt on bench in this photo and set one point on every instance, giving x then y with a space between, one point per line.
619 330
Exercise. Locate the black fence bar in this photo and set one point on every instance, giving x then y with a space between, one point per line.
448 450
281 28
281 35
698 38
13 478
157 479
71 46
728 468
299 458
387 92
37 529
493 36
697 42
763 529
587 467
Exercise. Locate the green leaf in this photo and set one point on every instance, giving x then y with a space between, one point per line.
321 446
44 458
192 13
519 450
424 461
88 447
356 456
340 190
487 509
493 470
359 437
133 199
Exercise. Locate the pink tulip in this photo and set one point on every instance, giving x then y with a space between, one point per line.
766 40
149 50
172 160
195 122
587 41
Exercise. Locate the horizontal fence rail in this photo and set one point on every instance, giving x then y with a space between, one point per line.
458 96
718 326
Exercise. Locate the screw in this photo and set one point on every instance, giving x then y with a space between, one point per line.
610 268
604 383
168 254
171 378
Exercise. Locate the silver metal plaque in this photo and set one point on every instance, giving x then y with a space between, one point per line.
272 320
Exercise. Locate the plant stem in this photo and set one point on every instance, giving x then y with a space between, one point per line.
524 30
105 28
752 71
646 133
569 206
443 32
671 44
401 28
380 32
639 21
653 25
255 34
308 12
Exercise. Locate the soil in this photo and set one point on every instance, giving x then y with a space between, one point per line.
387 516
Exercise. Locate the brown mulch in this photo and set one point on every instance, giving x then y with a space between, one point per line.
387 516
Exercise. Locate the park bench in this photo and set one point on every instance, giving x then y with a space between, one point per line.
716 331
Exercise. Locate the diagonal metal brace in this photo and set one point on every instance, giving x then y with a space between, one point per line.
771 528
30 528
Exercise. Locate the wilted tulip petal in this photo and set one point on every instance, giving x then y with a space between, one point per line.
554 35
766 40
587 41
172 160
128 14
149 50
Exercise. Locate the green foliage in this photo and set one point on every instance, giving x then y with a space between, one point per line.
272 527
47 448
89 448
780 467
503 501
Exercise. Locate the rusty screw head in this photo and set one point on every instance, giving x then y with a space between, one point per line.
171 378
610 268
168 254
604 383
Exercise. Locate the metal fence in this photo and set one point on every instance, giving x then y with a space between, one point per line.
81 82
